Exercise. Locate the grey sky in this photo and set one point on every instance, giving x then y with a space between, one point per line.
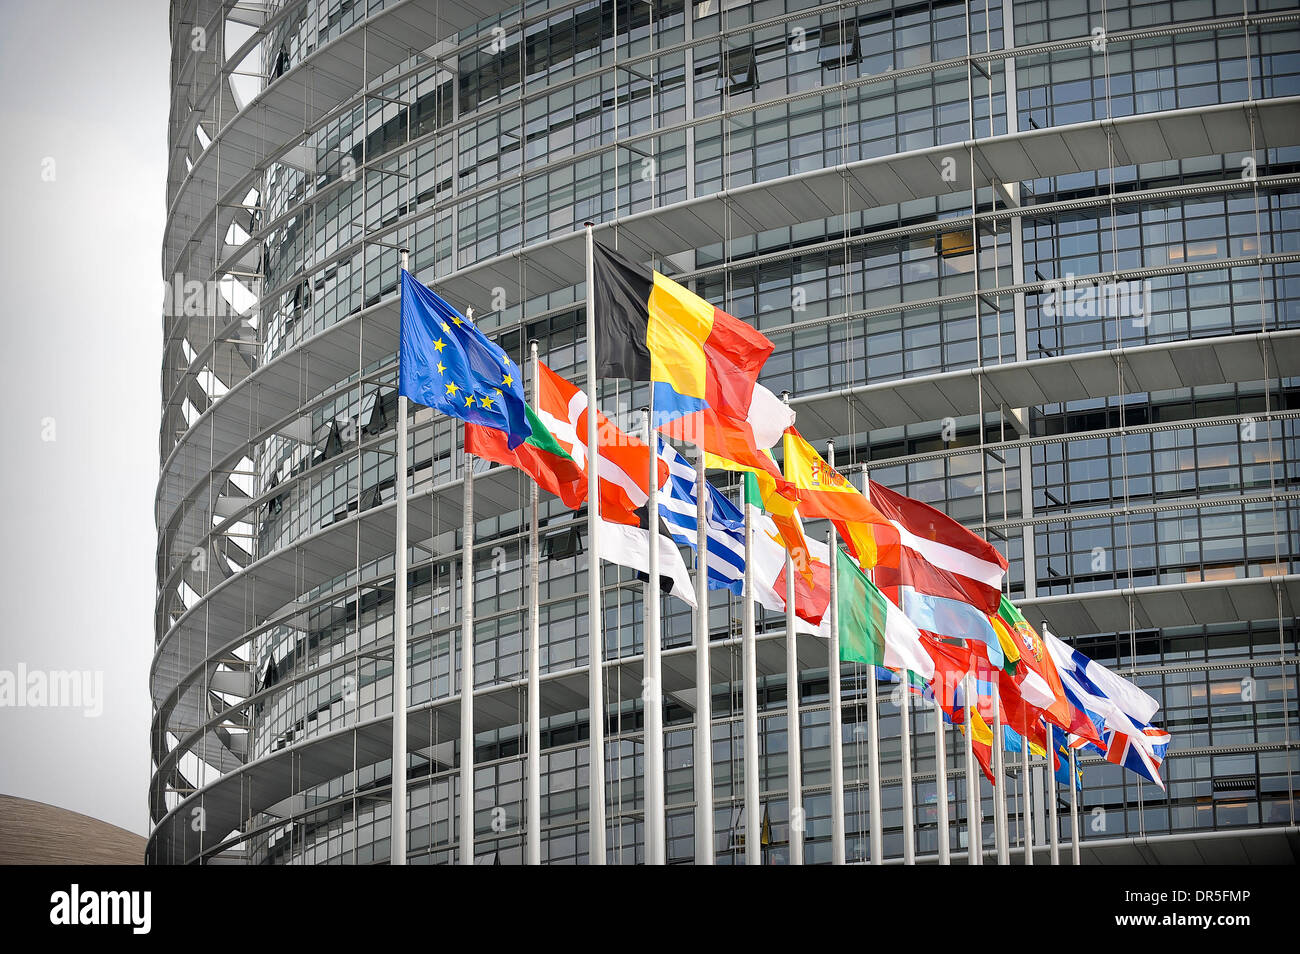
84 83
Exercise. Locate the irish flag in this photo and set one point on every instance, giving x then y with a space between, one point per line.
874 631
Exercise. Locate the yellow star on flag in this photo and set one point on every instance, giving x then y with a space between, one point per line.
441 367
451 387
469 401
507 380
486 403
439 345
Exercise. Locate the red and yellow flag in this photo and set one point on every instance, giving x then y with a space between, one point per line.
825 492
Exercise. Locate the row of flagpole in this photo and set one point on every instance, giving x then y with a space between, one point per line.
652 691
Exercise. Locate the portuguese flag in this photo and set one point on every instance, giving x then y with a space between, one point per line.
1040 682
540 457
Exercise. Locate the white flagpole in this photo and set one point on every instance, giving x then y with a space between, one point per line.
999 784
651 685
753 817
793 722
534 784
1050 784
974 810
837 714
467 671
1074 810
877 835
1027 794
1054 838
596 654
704 677
941 776
397 838
905 740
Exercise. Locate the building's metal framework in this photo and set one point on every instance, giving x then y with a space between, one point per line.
244 388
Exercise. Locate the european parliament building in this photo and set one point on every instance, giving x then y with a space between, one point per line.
1035 262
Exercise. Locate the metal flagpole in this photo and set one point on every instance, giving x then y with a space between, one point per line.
596 654
467 670
1054 835
1027 794
974 810
1050 787
999 783
534 784
703 678
877 836
1074 810
873 769
793 722
941 776
905 740
753 816
397 839
651 684
837 714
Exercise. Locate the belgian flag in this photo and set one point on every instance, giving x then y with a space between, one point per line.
702 363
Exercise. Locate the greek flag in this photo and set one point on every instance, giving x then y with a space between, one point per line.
726 524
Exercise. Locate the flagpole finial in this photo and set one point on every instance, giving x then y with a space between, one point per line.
588 225
785 397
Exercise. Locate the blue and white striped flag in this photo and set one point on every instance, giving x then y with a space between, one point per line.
725 522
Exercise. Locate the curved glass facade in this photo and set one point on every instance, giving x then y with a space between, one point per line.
899 195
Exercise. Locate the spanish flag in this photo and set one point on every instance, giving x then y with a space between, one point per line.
702 363
824 492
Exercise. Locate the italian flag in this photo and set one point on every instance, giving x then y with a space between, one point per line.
874 631
541 457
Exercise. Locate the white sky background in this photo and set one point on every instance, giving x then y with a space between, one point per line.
84 82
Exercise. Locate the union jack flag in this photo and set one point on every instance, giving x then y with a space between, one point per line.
1143 755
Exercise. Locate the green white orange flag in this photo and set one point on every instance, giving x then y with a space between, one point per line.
874 631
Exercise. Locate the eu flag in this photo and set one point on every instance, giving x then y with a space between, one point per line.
449 365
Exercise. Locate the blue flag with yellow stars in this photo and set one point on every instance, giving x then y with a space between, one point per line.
449 365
